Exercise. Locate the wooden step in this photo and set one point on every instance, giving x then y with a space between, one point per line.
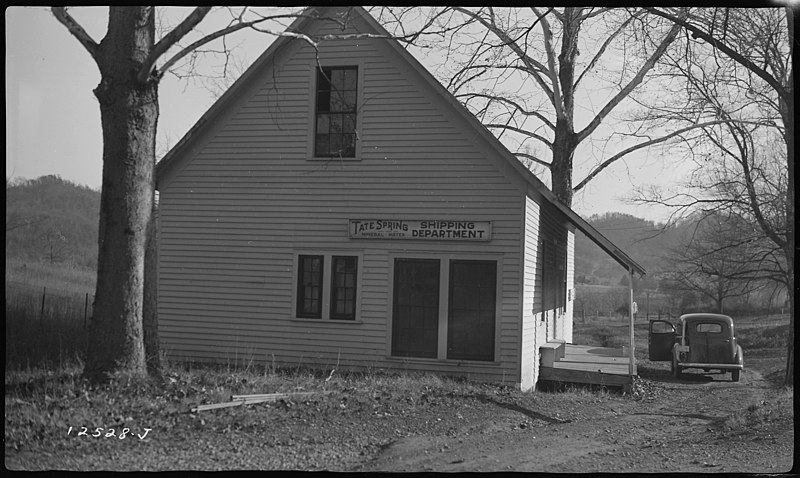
552 352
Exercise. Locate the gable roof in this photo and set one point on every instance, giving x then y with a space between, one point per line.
313 14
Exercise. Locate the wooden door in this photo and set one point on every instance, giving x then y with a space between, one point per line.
471 311
415 315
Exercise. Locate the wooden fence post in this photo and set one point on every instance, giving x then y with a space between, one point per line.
41 313
85 310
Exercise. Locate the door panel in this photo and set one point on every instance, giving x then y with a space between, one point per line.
660 339
710 342
471 310
415 314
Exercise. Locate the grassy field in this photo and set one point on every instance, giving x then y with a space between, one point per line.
47 309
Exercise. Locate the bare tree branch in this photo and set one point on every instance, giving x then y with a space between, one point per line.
174 36
622 94
514 104
76 30
521 131
223 32
602 48
636 147
534 65
533 158
558 99
726 49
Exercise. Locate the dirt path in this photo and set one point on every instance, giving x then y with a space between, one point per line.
676 428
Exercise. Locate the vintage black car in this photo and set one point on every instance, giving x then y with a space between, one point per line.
705 341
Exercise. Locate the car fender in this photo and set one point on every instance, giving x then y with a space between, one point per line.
739 355
677 349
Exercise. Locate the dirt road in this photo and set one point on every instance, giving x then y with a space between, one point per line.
679 426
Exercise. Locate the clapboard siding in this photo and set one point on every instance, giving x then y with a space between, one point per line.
531 303
247 199
568 324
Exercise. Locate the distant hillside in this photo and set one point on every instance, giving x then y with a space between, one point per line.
49 219
644 241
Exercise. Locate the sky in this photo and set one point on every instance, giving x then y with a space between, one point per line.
53 119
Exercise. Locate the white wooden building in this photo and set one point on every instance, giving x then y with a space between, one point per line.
339 208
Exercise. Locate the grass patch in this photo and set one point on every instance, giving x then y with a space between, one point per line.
601 334
47 312
775 411
762 337
65 278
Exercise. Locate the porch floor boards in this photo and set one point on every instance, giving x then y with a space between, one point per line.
591 365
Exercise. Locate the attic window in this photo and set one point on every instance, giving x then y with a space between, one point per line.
335 132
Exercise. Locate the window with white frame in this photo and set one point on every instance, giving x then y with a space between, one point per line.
323 295
336 112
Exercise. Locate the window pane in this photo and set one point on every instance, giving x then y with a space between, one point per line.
709 328
336 145
323 101
343 287
349 123
662 328
323 145
337 79
337 102
350 79
336 124
323 123
309 286
349 145
323 79
349 101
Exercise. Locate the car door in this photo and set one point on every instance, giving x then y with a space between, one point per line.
717 346
660 339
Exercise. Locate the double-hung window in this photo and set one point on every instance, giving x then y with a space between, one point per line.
322 295
309 286
336 112
343 287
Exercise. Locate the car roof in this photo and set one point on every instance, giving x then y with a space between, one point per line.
706 316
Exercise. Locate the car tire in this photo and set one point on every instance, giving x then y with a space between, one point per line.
735 375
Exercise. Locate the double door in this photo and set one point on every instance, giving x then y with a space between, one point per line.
469 320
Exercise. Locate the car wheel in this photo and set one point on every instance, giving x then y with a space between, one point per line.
735 375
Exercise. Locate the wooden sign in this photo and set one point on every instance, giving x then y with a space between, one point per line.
431 230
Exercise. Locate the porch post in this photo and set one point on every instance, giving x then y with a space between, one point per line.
631 355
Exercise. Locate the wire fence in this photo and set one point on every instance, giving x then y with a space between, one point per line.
45 325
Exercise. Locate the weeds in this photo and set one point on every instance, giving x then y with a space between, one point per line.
47 310
762 337
776 409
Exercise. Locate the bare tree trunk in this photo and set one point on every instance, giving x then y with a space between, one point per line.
129 115
561 167
564 140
